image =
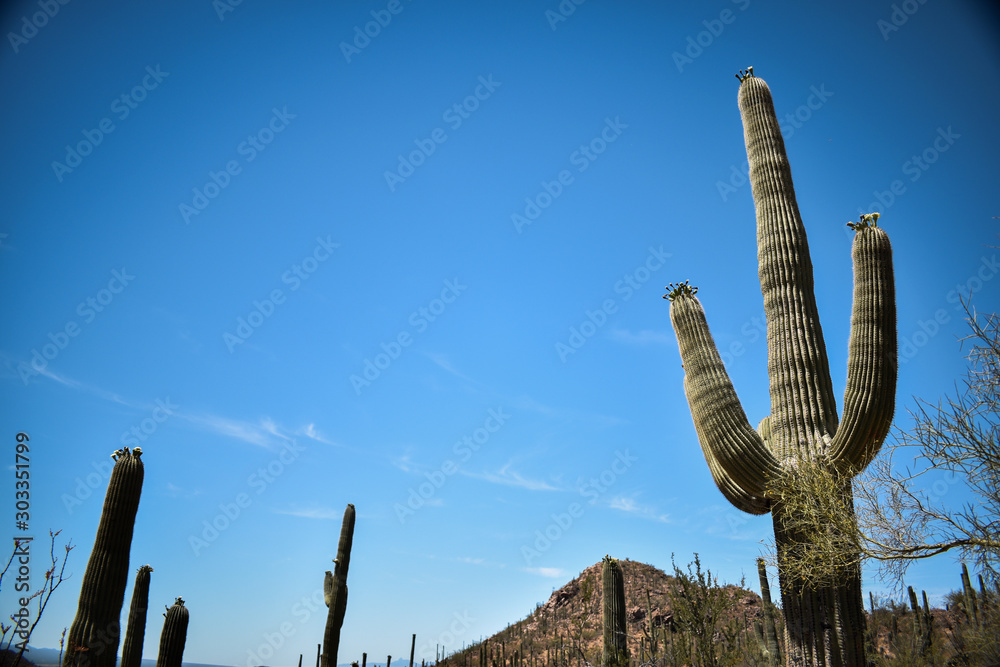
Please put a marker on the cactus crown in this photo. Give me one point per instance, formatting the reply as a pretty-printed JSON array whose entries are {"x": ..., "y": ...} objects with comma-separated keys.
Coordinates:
[
  {"x": 869, "y": 220},
  {"x": 676, "y": 290},
  {"x": 745, "y": 73}
]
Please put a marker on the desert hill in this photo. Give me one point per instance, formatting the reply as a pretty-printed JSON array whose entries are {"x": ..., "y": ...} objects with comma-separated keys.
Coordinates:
[{"x": 567, "y": 629}]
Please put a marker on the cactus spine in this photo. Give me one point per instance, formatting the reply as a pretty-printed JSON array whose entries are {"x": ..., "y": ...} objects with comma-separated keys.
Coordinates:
[
  {"x": 338, "y": 591},
  {"x": 824, "y": 624},
  {"x": 174, "y": 636},
  {"x": 95, "y": 633},
  {"x": 136, "y": 630},
  {"x": 615, "y": 630}
]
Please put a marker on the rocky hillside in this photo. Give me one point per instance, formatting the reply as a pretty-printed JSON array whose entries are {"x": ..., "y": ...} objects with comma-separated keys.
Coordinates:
[{"x": 566, "y": 630}]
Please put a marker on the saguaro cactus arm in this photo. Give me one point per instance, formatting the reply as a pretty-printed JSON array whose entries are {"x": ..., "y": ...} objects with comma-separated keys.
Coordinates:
[
  {"x": 740, "y": 462},
  {"x": 870, "y": 394},
  {"x": 803, "y": 407}
]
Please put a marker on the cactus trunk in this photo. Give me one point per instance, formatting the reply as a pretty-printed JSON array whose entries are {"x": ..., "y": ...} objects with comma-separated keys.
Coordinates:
[
  {"x": 174, "y": 636},
  {"x": 95, "y": 633},
  {"x": 136, "y": 630},
  {"x": 824, "y": 622},
  {"x": 338, "y": 591},
  {"x": 615, "y": 629}
]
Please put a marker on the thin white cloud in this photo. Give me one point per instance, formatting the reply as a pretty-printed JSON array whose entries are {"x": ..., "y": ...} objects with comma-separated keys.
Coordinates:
[
  {"x": 629, "y": 505},
  {"x": 643, "y": 337},
  {"x": 258, "y": 434},
  {"x": 442, "y": 361},
  {"x": 309, "y": 431},
  {"x": 181, "y": 492},
  {"x": 268, "y": 425},
  {"x": 92, "y": 390},
  {"x": 262, "y": 433},
  {"x": 549, "y": 572},
  {"x": 313, "y": 513},
  {"x": 510, "y": 477},
  {"x": 405, "y": 463}
]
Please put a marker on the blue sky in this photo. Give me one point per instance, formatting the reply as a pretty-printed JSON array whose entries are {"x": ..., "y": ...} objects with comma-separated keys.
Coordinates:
[{"x": 420, "y": 271}]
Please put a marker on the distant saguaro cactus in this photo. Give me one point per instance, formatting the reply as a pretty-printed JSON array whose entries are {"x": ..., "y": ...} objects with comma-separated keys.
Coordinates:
[
  {"x": 767, "y": 636},
  {"x": 615, "y": 628},
  {"x": 824, "y": 623},
  {"x": 136, "y": 629},
  {"x": 338, "y": 591},
  {"x": 174, "y": 636},
  {"x": 94, "y": 636}
]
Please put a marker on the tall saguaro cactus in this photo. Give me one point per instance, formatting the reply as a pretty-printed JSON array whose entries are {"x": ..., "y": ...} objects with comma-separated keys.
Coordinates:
[
  {"x": 338, "y": 591},
  {"x": 95, "y": 633},
  {"x": 136, "y": 629},
  {"x": 174, "y": 636},
  {"x": 613, "y": 604},
  {"x": 824, "y": 623}
]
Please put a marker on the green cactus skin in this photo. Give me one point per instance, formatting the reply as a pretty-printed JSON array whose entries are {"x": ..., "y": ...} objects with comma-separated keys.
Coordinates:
[
  {"x": 613, "y": 604},
  {"x": 95, "y": 633},
  {"x": 174, "y": 636},
  {"x": 136, "y": 629},
  {"x": 823, "y": 626},
  {"x": 338, "y": 592}
]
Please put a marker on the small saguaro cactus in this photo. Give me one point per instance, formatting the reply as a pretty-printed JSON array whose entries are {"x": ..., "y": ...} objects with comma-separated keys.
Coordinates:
[
  {"x": 615, "y": 629},
  {"x": 337, "y": 598},
  {"x": 767, "y": 636},
  {"x": 95, "y": 633},
  {"x": 174, "y": 636},
  {"x": 824, "y": 623},
  {"x": 136, "y": 629}
]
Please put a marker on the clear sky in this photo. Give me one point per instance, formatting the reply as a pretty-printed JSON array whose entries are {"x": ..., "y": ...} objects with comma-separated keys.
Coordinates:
[{"x": 410, "y": 255}]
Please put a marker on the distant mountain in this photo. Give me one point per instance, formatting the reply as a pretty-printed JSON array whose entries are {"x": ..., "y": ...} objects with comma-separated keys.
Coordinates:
[{"x": 49, "y": 657}]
